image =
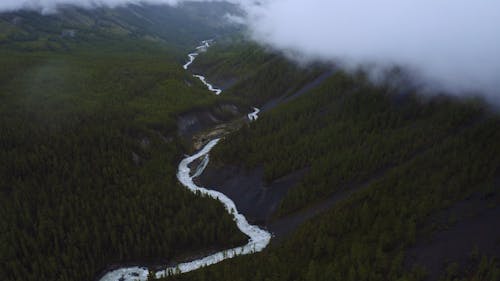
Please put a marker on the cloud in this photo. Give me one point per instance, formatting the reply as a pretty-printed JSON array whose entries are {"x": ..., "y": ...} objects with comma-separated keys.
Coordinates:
[
  {"x": 452, "y": 44},
  {"x": 50, "y": 6},
  {"x": 235, "y": 19}
]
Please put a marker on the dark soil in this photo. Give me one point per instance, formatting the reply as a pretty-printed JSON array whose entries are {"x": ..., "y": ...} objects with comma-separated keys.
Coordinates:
[
  {"x": 255, "y": 199},
  {"x": 258, "y": 201},
  {"x": 467, "y": 226}
]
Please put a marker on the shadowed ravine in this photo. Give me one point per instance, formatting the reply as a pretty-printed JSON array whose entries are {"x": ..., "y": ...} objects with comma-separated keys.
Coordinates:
[{"x": 258, "y": 238}]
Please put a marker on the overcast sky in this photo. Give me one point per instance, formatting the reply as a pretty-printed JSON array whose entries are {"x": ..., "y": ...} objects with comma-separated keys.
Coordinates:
[{"x": 452, "y": 43}]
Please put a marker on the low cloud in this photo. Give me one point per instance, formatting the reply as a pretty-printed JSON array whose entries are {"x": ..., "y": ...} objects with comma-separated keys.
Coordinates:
[
  {"x": 235, "y": 19},
  {"x": 453, "y": 45},
  {"x": 51, "y": 6}
]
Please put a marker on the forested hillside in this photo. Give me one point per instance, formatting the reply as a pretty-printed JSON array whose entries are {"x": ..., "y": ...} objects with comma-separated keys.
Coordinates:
[
  {"x": 89, "y": 154},
  {"x": 90, "y": 103},
  {"x": 403, "y": 160},
  {"x": 254, "y": 74},
  {"x": 346, "y": 132},
  {"x": 179, "y": 27}
]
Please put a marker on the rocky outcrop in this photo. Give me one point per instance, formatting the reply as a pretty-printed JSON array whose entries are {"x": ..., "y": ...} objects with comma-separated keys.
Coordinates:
[{"x": 195, "y": 121}]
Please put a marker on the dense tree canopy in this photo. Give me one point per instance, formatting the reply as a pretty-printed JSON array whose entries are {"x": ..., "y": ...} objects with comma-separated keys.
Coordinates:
[
  {"x": 89, "y": 156},
  {"x": 89, "y": 149},
  {"x": 411, "y": 157}
]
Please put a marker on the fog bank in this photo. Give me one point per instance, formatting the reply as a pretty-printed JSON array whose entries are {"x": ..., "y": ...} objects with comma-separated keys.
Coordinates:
[{"x": 452, "y": 44}]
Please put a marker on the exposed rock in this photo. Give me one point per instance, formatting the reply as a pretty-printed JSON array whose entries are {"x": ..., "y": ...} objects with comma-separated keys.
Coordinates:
[
  {"x": 193, "y": 122},
  {"x": 219, "y": 131}
]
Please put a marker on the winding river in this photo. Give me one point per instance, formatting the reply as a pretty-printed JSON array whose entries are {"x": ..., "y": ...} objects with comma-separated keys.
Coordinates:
[
  {"x": 192, "y": 56},
  {"x": 258, "y": 238}
]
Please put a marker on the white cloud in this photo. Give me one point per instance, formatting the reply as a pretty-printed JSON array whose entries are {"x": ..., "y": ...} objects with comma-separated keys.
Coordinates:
[
  {"x": 48, "y": 6},
  {"x": 235, "y": 19},
  {"x": 455, "y": 43}
]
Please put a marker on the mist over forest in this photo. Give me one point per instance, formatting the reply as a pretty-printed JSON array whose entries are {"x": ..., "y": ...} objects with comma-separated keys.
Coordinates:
[
  {"x": 249, "y": 140},
  {"x": 451, "y": 46}
]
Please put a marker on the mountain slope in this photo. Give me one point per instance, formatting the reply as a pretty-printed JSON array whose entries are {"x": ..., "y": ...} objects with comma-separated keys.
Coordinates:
[
  {"x": 402, "y": 165},
  {"x": 178, "y": 27},
  {"x": 89, "y": 144}
]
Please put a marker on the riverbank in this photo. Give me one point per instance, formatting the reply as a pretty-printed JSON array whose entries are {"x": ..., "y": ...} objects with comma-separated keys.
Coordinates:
[
  {"x": 255, "y": 198},
  {"x": 258, "y": 238}
]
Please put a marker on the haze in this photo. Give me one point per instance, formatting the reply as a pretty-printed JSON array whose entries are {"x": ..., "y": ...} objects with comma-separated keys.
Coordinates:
[{"x": 453, "y": 45}]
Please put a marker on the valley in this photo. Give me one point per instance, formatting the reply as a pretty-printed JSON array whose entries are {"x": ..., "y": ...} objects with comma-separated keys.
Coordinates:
[
  {"x": 258, "y": 238},
  {"x": 134, "y": 148}
]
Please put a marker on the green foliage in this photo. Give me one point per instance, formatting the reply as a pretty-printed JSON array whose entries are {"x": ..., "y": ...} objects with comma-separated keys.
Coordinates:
[
  {"x": 486, "y": 269},
  {"x": 232, "y": 58},
  {"x": 347, "y": 132},
  {"x": 89, "y": 150},
  {"x": 254, "y": 74},
  {"x": 89, "y": 155},
  {"x": 179, "y": 27},
  {"x": 365, "y": 236},
  {"x": 408, "y": 157}
]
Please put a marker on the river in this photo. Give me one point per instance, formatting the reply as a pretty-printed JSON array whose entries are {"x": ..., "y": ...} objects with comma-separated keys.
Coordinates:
[{"x": 258, "y": 238}]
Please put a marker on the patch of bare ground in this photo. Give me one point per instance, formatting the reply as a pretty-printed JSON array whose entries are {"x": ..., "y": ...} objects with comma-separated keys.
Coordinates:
[{"x": 452, "y": 235}]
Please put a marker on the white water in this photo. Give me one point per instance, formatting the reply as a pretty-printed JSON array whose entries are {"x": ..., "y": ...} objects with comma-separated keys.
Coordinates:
[
  {"x": 258, "y": 238},
  {"x": 209, "y": 86},
  {"x": 202, "y": 48},
  {"x": 254, "y": 115},
  {"x": 192, "y": 56}
]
